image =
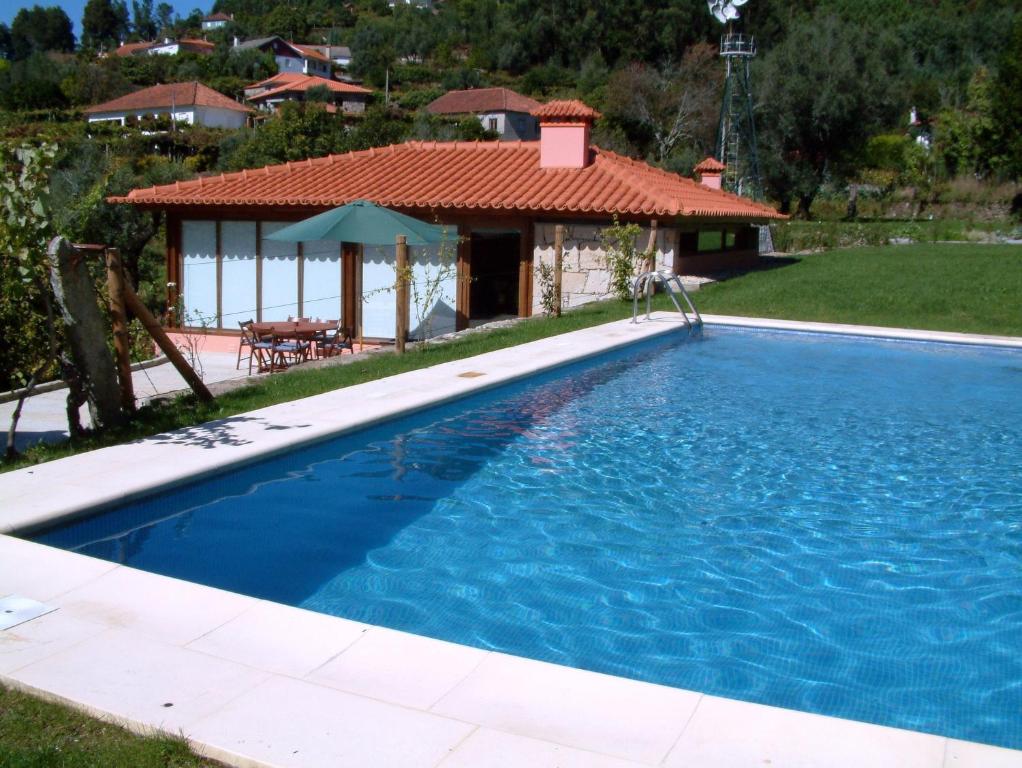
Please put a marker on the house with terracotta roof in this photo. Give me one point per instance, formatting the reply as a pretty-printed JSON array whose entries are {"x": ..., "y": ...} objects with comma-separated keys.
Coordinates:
[
  {"x": 169, "y": 47},
  {"x": 217, "y": 20},
  {"x": 501, "y": 202},
  {"x": 192, "y": 103},
  {"x": 501, "y": 110},
  {"x": 268, "y": 94},
  {"x": 290, "y": 57}
]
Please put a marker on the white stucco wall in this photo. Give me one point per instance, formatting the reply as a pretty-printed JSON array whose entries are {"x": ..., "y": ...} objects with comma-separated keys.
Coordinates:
[
  {"x": 212, "y": 117},
  {"x": 215, "y": 117},
  {"x": 585, "y": 275}
]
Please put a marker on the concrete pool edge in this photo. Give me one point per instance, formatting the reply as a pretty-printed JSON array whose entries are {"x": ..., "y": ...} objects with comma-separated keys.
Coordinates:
[{"x": 230, "y": 664}]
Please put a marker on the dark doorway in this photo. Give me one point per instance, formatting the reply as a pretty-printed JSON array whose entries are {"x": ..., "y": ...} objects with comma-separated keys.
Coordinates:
[{"x": 494, "y": 288}]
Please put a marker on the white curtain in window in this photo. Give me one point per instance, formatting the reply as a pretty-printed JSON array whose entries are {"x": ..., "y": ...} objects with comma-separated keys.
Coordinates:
[
  {"x": 280, "y": 275},
  {"x": 321, "y": 289},
  {"x": 198, "y": 247},
  {"x": 238, "y": 246},
  {"x": 433, "y": 295}
]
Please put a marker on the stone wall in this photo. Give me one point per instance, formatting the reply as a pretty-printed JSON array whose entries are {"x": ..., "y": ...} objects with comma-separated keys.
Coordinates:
[{"x": 585, "y": 277}]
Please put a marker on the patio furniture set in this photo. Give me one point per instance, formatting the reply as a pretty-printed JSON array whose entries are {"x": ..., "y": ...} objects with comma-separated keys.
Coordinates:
[{"x": 279, "y": 345}]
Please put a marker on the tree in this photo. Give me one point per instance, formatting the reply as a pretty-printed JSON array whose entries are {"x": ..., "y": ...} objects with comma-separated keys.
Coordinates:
[
  {"x": 37, "y": 30},
  {"x": 31, "y": 345},
  {"x": 143, "y": 20},
  {"x": 164, "y": 18},
  {"x": 823, "y": 92},
  {"x": 104, "y": 23},
  {"x": 6, "y": 49},
  {"x": 672, "y": 105},
  {"x": 372, "y": 51},
  {"x": 1008, "y": 106}
]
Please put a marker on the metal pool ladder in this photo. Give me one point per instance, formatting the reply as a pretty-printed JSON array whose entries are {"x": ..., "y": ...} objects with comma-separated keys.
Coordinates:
[{"x": 673, "y": 285}]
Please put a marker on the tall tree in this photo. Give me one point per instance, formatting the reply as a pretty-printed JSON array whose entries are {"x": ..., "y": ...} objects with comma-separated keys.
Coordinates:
[
  {"x": 104, "y": 23},
  {"x": 143, "y": 20},
  {"x": 823, "y": 92},
  {"x": 164, "y": 17},
  {"x": 38, "y": 29}
]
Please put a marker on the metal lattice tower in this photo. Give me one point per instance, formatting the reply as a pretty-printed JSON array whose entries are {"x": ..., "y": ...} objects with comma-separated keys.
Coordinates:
[{"x": 736, "y": 132}]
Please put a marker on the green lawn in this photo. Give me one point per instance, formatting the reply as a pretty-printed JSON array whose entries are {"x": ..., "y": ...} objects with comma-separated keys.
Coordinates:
[
  {"x": 38, "y": 734},
  {"x": 968, "y": 288},
  {"x": 973, "y": 288}
]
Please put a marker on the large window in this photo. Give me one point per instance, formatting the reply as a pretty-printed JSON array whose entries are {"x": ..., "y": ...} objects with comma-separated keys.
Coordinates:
[
  {"x": 238, "y": 285},
  {"x": 280, "y": 276},
  {"x": 198, "y": 248}
]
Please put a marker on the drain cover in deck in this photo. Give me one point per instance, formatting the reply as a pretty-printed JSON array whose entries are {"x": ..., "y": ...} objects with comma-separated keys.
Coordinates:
[
  {"x": 470, "y": 375},
  {"x": 15, "y": 610}
]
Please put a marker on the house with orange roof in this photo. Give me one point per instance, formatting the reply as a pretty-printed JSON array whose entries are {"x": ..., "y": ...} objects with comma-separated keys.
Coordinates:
[
  {"x": 501, "y": 202},
  {"x": 500, "y": 110},
  {"x": 268, "y": 94},
  {"x": 191, "y": 103},
  {"x": 171, "y": 47},
  {"x": 291, "y": 57},
  {"x": 217, "y": 20}
]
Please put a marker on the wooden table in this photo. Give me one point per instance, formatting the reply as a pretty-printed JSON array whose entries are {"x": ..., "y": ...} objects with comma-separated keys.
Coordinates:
[
  {"x": 303, "y": 330},
  {"x": 299, "y": 330}
]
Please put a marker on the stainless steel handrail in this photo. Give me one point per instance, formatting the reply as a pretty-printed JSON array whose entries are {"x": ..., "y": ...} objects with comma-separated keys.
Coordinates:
[{"x": 646, "y": 282}]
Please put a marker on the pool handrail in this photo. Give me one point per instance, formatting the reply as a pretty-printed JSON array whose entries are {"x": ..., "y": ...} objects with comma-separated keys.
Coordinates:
[{"x": 646, "y": 283}]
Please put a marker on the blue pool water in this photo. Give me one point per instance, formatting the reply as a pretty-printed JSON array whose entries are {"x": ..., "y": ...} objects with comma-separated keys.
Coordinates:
[{"x": 826, "y": 524}]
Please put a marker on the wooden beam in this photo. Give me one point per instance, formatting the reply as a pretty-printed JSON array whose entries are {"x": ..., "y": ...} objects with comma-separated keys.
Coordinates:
[
  {"x": 558, "y": 266},
  {"x": 463, "y": 300},
  {"x": 119, "y": 323},
  {"x": 175, "y": 267},
  {"x": 219, "y": 278},
  {"x": 139, "y": 310},
  {"x": 401, "y": 320},
  {"x": 651, "y": 247}
]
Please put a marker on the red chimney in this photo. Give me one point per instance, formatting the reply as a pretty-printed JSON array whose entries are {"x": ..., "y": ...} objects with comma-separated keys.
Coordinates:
[
  {"x": 709, "y": 172},
  {"x": 564, "y": 128}
]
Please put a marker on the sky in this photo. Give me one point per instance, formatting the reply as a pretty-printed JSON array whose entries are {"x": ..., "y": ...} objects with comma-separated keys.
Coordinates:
[{"x": 74, "y": 8}]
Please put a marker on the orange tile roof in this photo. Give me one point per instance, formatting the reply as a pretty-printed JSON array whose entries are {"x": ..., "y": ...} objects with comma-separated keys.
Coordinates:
[
  {"x": 710, "y": 165},
  {"x": 476, "y": 100},
  {"x": 167, "y": 95},
  {"x": 218, "y": 16},
  {"x": 279, "y": 78},
  {"x": 480, "y": 176},
  {"x": 307, "y": 82},
  {"x": 310, "y": 52},
  {"x": 566, "y": 109},
  {"x": 130, "y": 49},
  {"x": 192, "y": 42}
]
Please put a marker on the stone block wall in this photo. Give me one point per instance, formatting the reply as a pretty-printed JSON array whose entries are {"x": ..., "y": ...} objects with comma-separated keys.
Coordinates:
[{"x": 585, "y": 274}]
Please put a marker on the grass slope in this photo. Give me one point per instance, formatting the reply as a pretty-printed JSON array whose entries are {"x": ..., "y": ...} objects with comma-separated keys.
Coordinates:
[
  {"x": 947, "y": 287},
  {"x": 39, "y": 734}
]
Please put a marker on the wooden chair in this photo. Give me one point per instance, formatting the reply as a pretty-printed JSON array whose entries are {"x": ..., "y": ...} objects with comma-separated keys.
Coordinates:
[
  {"x": 334, "y": 342},
  {"x": 247, "y": 341},
  {"x": 285, "y": 352}
]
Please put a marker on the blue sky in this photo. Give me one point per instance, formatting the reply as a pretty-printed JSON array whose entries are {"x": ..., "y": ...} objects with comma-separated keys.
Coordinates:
[{"x": 74, "y": 8}]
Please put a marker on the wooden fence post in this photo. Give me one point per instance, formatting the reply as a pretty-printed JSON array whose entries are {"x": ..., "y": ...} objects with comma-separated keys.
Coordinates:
[
  {"x": 139, "y": 310},
  {"x": 119, "y": 322},
  {"x": 558, "y": 266},
  {"x": 401, "y": 321},
  {"x": 86, "y": 329},
  {"x": 651, "y": 247}
]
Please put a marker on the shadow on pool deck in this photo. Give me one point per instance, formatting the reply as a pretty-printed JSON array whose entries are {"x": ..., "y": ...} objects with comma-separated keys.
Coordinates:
[{"x": 220, "y": 433}]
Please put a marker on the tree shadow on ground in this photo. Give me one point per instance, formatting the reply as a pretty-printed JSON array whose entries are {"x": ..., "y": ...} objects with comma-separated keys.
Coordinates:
[{"x": 222, "y": 432}]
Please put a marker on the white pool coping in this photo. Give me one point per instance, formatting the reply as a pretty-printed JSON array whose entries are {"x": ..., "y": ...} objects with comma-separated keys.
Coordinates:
[{"x": 253, "y": 682}]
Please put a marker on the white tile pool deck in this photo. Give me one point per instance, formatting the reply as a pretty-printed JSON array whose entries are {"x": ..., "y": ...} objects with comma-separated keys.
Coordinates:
[{"x": 256, "y": 683}]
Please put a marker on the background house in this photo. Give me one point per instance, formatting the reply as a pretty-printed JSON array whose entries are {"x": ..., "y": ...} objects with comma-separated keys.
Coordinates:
[
  {"x": 217, "y": 20},
  {"x": 501, "y": 110},
  {"x": 291, "y": 57},
  {"x": 289, "y": 86},
  {"x": 192, "y": 103},
  {"x": 500, "y": 200},
  {"x": 184, "y": 45}
]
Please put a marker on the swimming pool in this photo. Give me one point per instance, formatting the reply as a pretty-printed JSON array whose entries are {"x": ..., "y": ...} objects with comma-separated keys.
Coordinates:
[{"x": 826, "y": 524}]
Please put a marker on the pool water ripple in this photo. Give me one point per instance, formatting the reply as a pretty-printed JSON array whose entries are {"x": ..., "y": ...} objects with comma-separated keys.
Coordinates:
[{"x": 826, "y": 524}]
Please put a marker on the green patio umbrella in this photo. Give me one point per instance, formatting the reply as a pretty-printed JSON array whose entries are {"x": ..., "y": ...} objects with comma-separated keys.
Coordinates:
[
  {"x": 361, "y": 222},
  {"x": 369, "y": 224}
]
